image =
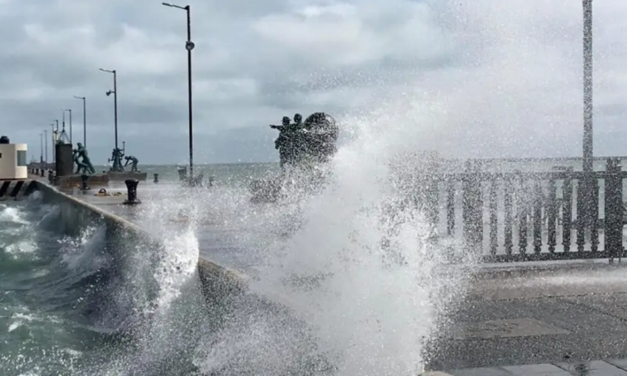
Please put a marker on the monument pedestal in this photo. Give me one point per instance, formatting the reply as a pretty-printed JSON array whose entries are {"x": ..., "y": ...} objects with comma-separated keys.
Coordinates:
[
  {"x": 74, "y": 181},
  {"x": 123, "y": 175}
]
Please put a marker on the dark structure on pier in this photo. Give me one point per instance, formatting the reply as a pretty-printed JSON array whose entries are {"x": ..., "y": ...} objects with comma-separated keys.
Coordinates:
[{"x": 301, "y": 146}]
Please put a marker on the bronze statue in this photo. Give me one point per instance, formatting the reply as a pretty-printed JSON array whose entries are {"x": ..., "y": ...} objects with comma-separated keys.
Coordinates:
[
  {"x": 133, "y": 162},
  {"x": 282, "y": 143},
  {"x": 301, "y": 144},
  {"x": 84, "y": 165},
  {"x": 116, "y": 157},
  {"x": 312, "y": 140}
]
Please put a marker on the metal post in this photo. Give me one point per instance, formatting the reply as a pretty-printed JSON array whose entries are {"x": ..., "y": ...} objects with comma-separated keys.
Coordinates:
[
  {"x": 84, "y": 121},
  {"x": 115, "y": 106},
  {"x": 41, "y": 144},
  {"x": 587, "y": 86},
  {"x": 53, "y": 143},
  {"x": 189, "y": 47},
  {"x": 115, "y": 101},
  {"x": 46, "y": 138},
  {"x": 587, "y": 184},
  {"x": 70, "y": 111}
]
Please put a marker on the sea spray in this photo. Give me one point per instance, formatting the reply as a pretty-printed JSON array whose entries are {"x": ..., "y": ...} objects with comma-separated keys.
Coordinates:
[{"x": 353, "y": 264}]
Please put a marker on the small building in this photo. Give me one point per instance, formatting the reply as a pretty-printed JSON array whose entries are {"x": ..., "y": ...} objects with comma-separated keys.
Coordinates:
[{"x": 13, "y": 160}]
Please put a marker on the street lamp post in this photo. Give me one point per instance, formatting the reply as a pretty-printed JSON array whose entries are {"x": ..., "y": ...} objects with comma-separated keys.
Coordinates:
[
  {"x": 115, "y": 101},
  {"x": 54, "y": 140},
  {"x": 587, "y": 87},
  {"x": 41, "y": 145},
  {"x": 69, "y": 110},
  {"x": 189, "y": 46},
  {"x": 46, "y": 138},
  {"x": 588, "y": 189},
  {"x": 84, "y": 119}
]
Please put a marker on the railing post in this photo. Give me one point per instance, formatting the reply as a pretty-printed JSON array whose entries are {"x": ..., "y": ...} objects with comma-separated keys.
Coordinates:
[
  {"x": 432, "y": 205},
  {"x": 472, "y": 207},
  {"x": 613, "y": 208},
  {"x": 450, "y": 207}
]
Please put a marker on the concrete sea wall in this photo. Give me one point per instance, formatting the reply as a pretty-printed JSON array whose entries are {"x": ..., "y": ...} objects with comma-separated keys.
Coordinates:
[{"x": 218, "y": 283}]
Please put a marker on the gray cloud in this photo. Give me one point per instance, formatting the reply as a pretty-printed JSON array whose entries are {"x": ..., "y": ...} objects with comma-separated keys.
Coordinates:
[{"x": 471, "y": 77}]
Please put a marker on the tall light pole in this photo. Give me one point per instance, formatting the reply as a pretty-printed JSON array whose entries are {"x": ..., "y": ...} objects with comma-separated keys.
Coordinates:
[
  {"x": 189, "y": 46},
  {"x": 587, "y": 86},
  {"x": 69, "y": 110},
  {"x": 54, "y": 139},
  {"x": 41, "y": 144},
  {"x": 84, "y": 119},
  {"x": 115, "y": 101},
  {"x": 46, "y": 138}
]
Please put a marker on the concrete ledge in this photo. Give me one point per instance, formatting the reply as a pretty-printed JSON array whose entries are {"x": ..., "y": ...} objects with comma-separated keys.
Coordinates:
[
  {"x": 16, "y": 188},
  {"x": 216, "y": 280},
  {"x": 435, "y": 373},
  {"x": 75, "y": 181}
]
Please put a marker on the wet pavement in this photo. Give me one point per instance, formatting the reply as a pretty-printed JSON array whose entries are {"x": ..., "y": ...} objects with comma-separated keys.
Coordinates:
[
  {"x": 565, "y": 316},
  {"x": 611, "y": 367}
]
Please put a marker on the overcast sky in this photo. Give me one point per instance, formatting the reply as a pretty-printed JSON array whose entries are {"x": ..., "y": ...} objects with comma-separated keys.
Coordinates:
[{"x": 475, "y": 77}]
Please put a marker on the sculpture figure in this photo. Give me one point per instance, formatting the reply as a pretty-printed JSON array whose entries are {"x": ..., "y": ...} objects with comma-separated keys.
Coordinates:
[
  {"x": 84, "y": 164},
  {"x": 320, "y": 136},
  {"x": 133, "y": 162},
  {"x": 116, "y": 157},
  {"x": 282, "y": 142}
]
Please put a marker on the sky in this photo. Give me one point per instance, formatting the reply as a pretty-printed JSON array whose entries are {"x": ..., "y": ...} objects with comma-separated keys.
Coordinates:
[{"x": 473, "y": 78}]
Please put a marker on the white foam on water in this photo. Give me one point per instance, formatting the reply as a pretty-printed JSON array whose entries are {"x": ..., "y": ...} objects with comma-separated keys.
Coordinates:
[
  {"x": 21, "y": 247},
  {"x": 12, "y": 214},
  {"x": 85, "y": 251},
  {"x": 20, "y": 319}
]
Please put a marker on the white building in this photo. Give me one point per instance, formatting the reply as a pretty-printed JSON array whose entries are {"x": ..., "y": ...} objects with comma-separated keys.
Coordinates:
[{"x": 13, "y": 162}]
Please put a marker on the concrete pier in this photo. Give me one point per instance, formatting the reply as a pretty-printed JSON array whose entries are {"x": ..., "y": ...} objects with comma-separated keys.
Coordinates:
[{"x": 528, "y": 317}]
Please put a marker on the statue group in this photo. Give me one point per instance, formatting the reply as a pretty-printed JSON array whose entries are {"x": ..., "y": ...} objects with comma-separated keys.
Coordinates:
[
  {"x": 117, "y": 156},
  {"x": 83, "y": 165},
  {"x": 312, "y": 140}
]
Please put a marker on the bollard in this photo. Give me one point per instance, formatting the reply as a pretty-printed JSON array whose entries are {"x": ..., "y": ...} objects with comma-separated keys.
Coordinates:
[
  {"x": 156, "y": 178},
  {"x": 50, "y": 176},
  {"x": 131, "y": 186},
  {"x": 42, "y": 172},
  {"x": 84, "y": 185}
]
